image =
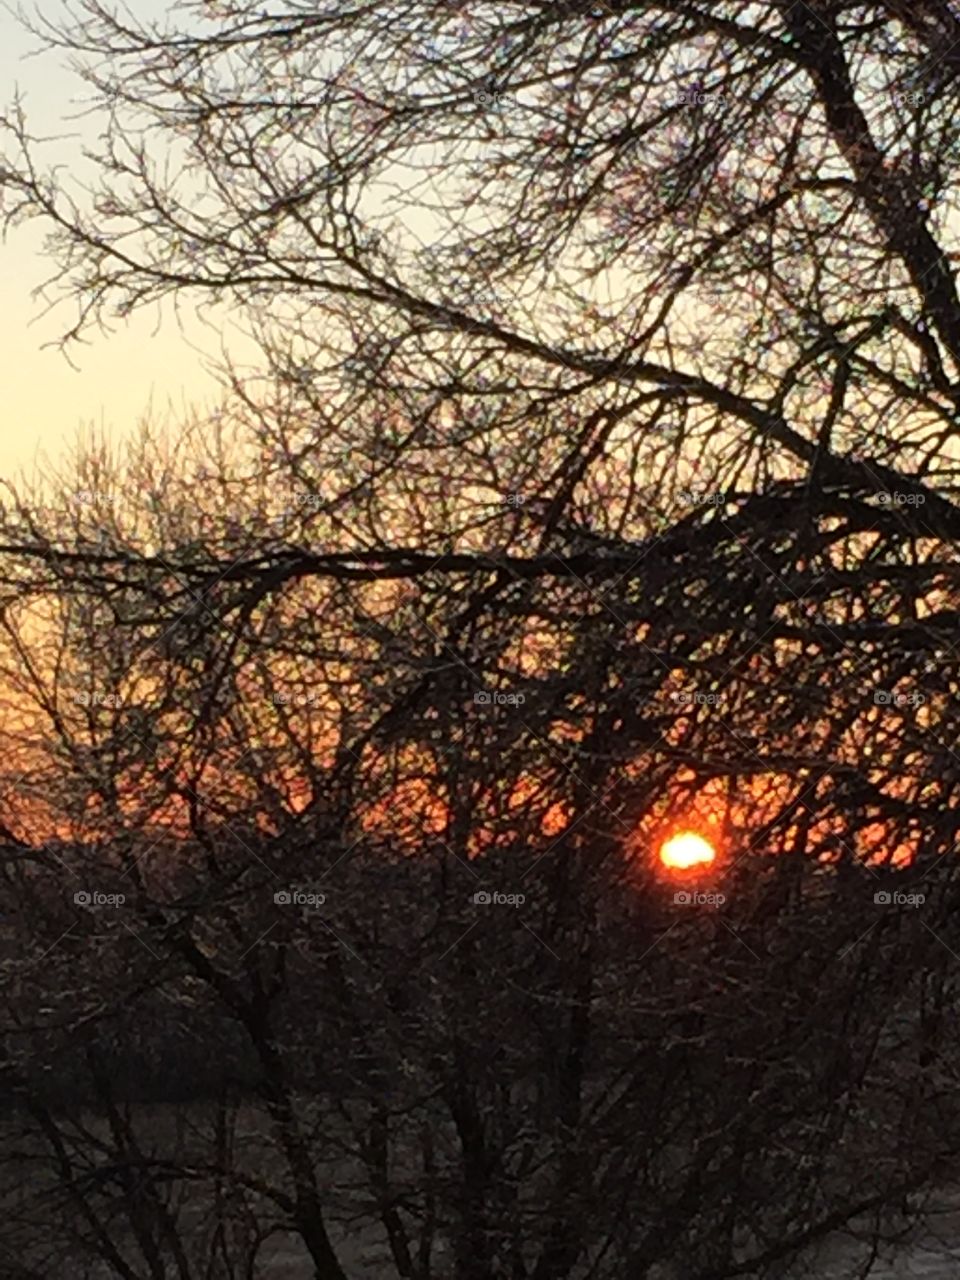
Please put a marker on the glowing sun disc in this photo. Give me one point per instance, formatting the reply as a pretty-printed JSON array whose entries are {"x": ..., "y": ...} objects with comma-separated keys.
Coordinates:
[{"x": 686, "y": 850}]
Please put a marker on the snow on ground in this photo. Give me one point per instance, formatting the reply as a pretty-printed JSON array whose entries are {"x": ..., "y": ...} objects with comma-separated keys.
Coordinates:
[
  {"x": 931, "y": 1252},
  {"x": 928, "y": 1253}
]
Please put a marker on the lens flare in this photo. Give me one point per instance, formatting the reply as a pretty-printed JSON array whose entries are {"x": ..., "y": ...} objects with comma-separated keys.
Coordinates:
[{"x": 686, "y": 850}]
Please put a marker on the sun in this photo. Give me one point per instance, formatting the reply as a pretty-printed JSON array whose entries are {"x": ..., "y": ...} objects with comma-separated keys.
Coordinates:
[{"x": 686, "y": 850}]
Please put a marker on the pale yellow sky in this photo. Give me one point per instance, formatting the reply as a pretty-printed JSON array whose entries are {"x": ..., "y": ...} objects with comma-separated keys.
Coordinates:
[{"x": 118, "y": 375}]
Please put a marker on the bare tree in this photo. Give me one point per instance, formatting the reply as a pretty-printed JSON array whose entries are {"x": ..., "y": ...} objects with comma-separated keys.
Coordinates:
[{"x": 598, "y": 477}]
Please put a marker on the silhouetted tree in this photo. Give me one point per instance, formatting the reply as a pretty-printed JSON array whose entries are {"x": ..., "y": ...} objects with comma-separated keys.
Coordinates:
[{"x": 597, "y": 478}]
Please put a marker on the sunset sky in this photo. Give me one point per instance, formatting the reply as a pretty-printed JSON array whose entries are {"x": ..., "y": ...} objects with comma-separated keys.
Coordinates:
[{"x": 117, "y": 376}]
